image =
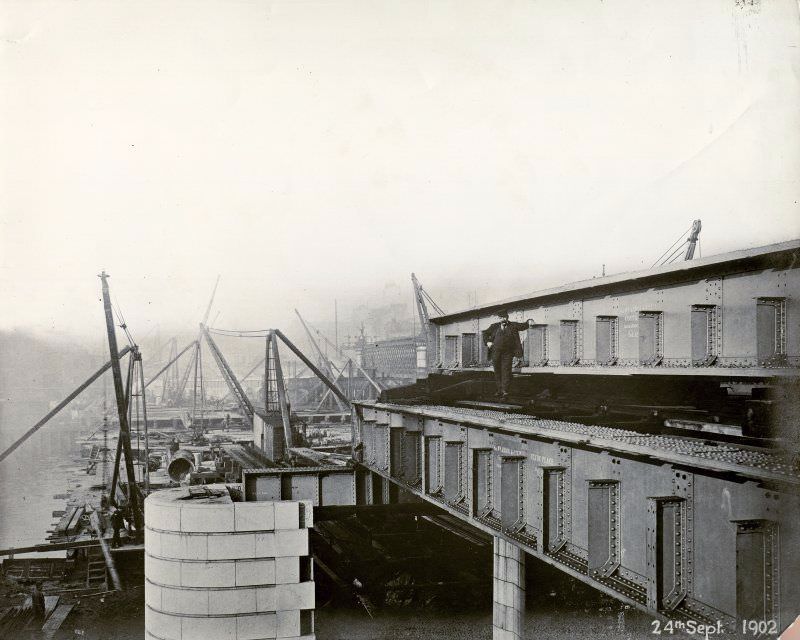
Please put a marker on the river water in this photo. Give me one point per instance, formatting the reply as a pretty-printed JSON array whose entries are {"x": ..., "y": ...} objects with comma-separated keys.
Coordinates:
[{"x": 38, "y": 470}]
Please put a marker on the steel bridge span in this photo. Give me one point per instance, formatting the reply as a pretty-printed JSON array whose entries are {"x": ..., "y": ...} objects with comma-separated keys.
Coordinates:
[
  {"x": 682, "y": 528},
  {"x": 651, "y": 449}
]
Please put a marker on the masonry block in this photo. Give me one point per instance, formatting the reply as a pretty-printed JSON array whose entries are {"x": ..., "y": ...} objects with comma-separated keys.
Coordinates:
[
  {"x": 288, "y": 624},
  {"x": 265, "y": 545},
  {"x": 162, "y": 571},
  {"x": 508, "y": 591},
  {"x": 287, "y": 515},
  {"x": 293, "y": 542},
  {"x": 232, "y": 547},
  {"x": 152, "y": 595},
  {"x": 194, "y": 547},
  {"x": 287, "y": 570},
  {"x": 162, "y": 625},
  {"x": 208, "y": 574},
  {"x": 266, "y": 599},
  {"x": 307, "y": 514},
  {"x": 159, "y": 516},
  {"x": 254, "y": 516},
  {"x": 152, "y": 542},
  {"x": 263, "y": 625},
  {"x": 222, "y": 570},
  {"x": 209, "y": 628},
  {"x": 229, "y": 601},
  {"x": 184, "y": 601},
  {"x": 295, "y": 596},
  {"x": 255, "y": 572},
  {"x": 184, "y": 546},
  {"x": 205, "y": 518}
]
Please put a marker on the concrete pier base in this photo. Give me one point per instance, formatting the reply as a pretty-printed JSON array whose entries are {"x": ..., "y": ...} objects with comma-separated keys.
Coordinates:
[{"x": 509, "y": 591}]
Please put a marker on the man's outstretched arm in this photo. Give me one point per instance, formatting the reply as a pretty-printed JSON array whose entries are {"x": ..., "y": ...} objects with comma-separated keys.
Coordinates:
[{"x": 521, "y": 326}]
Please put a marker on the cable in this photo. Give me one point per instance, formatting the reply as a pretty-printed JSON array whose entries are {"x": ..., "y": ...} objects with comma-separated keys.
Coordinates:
[
  {"x": 671, "y": 247},
  {"x": 239, "y": 334},
  {"x": 123, "y": 325},
  {"x": 675, "y": 254}
]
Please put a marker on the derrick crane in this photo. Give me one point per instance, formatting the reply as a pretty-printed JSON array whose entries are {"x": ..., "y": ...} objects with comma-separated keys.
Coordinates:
[
  {"x": 231, "y": 381},
  {"x": 422, "y": 299},
  {"x": 177, "y": 399},
  {"x": 122, "y": 406},
  {"x": 375, "y": 384},
  {"x": 246, "y": 376},
  {"x": 172, "y": 375},
  {"x": 692, "y": 241},
  {"x": 273, "y": 378},
  {"x": 324, "y": 362},
  {"x": 192, "y": 365},
  {"x": 172, "y": 362}
]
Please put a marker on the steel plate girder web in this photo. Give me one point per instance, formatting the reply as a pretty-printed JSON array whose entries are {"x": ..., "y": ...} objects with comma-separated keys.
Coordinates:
[{"x": 582, "y": 530}]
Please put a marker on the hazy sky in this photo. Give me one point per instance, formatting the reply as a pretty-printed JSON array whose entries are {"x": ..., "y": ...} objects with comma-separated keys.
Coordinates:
[{"x": 308, "y": 151}]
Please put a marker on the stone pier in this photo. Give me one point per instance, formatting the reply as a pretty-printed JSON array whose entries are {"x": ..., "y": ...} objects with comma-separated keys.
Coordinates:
[
  {"x": 216, "y": 569},
  {"x": 509, "y": 591}
]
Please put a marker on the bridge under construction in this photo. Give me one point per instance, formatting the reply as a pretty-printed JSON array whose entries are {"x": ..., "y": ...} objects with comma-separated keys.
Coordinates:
[{"x": 648, "y": 447}]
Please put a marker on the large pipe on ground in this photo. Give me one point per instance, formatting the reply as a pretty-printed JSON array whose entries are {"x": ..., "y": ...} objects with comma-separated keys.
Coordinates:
[{"x": 181, "y": 465}]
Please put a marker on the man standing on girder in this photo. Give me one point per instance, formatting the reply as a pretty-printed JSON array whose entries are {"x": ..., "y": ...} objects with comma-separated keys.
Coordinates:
[{"x": 504, "y": 344}]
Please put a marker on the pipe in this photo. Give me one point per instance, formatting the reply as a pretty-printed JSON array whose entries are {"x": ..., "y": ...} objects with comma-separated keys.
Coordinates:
[
  {"x": 112, "y": 570},
  {"x": 181, "y": 465}
]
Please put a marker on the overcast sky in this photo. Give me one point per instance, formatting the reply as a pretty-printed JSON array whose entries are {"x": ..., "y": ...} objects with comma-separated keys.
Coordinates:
[{"x": 308, "y": 151}]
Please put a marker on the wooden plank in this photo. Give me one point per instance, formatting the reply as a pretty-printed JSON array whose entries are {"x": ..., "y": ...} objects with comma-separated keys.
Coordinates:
[
  {"x": 58, "y": 617},
  {"x": 65, "y": 520},
  {"x": 50, "y": 604}
]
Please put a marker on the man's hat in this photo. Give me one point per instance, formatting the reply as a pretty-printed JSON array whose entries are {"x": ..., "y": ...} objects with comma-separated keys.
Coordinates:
[{"x": 503, "y": 313}]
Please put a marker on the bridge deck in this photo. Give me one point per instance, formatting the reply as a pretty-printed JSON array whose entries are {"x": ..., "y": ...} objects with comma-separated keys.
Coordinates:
[{"x": 749, "y": 461}]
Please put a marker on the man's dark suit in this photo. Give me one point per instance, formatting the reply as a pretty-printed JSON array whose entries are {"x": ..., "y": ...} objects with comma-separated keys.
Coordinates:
[{"x": 506, "y": 345}]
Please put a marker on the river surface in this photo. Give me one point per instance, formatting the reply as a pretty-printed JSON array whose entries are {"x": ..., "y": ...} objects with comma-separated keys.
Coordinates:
[{"x": 41, "y": 468}]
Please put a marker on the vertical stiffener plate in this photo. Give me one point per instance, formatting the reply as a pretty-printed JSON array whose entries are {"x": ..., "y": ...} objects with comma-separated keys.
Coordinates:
[{"x": 604, "y": 527}]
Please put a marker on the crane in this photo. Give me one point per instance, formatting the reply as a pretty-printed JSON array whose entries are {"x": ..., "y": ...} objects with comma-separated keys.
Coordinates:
[
  {"x": 691, "y": 241},
  {"x": 122, "y": 407},
  {"x": 422, "y": 297},
  {"x": 235, "y": 388}
]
